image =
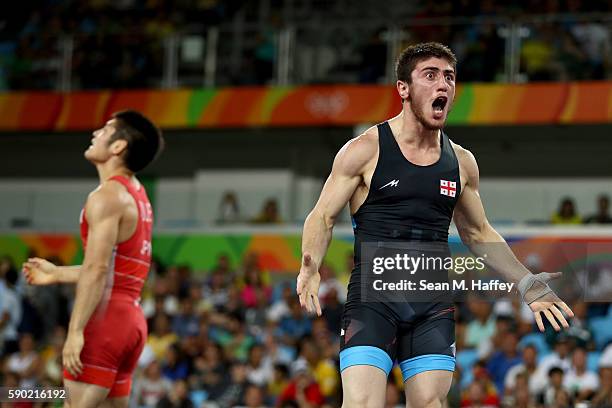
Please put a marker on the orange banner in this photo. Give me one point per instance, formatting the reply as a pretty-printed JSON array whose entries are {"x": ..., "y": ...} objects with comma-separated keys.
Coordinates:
[{"x": 334, "y": 105}]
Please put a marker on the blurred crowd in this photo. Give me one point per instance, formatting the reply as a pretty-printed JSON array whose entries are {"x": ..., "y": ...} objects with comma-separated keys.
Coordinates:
[
  {"x": 229, "y": 212},
  {"x": 124, "y": 44},
  {"x": 567, "y": 213},
  {"x": 236, "y": 336}
]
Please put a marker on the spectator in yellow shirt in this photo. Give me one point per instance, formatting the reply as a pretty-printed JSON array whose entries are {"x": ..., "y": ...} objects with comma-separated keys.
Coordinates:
[{"x": 567, "y": 213}]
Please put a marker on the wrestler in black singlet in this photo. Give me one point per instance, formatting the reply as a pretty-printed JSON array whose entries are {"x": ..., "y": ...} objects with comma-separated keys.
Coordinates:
[{"x": 406, "y": 203}]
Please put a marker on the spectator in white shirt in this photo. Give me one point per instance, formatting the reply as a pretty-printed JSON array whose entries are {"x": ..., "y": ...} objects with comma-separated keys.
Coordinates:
[
  {"x": 259, "y": 366},
  {"x": 578, "y": 381},
  {"x": 152, "y": 387},
  {"x": 528, "y": 367},
  {"x": 25, "y": 362},
  {"x": 554, "y": 386},
  {"x": 559, "y": 358},
  {"x": 10, "y": 311}
]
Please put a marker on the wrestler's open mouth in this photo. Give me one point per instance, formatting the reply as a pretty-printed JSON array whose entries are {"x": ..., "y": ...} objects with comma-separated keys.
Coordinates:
[{"x": 439, "y": 103}]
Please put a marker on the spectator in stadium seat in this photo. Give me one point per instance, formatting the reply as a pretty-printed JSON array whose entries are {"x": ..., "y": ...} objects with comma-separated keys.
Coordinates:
[
  {"x": 255, "y": 317},
  {"x": 502, "y": 361},
  {"x": 603, "y": 397},
  {"x": 253, "y": 287},
  {"x": 537, "y": 55},
  {"x": 573, "y": 59},
  {"x": 234, "y": 393},
  {"x": 580, "y": 331},
  {"x": 10, "y": 308},
  {"x": 151, "y": 387},
  {"x": 177, "y": 398},
  {"x": 323, "y": 370},
  {"x": 303, "y": 390},
  {"x": 25, "y": 362},
  {"x": 477, "y": 396},
  {"x": 51, "y": 357},
  {"x": 559, "y": 358},
  {"x": 224, "y": 266},
  {"x": 526, "y": 368},
  {"x": 562, "y": 399},
  {"x": 296, "y": 325},
  {"x": 554, "y": 386},
  {"x": 259, "y": 366},
  {"x": 215, "y": 291},
  {"x": 332, "y": 311},
  {"x": 522, "y": 397},
  {"x": 280, "y": 308},
  {"x": 605, "y": 360},
  {"x": 503, "y": 325},
  {"x": 280, "y": 379},
  {"x": 235, "y": 338},
  {"x": 253, "y": 397},
  {"x": 186, "y": 322},
  {"x": 174, "y": 366},
  {"x": 566, "y": 213},
  {"x": 482, "y": 327},
  {"x": 211, "y": 371},
  {"x": 594, "y": 38},
  {"x": 269, "y": 213},
  {"x": 229, "y": 209},
  {"x": 161, "y": 338},
  {"x": 323, "y": 338},
  {"x": 328, "y": 282},
  {"x": 580, "y": 382},
  {"x": 603, "y": 212}
]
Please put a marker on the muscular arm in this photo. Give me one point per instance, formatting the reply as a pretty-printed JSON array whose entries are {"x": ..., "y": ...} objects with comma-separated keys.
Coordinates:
[
  {"x": 344, "y": 179},
  {"x": 475, "y": 230},
  {"x": 480, "y": 237},
  {"x": 104, "y": 211},
  {"x": 337, "y": 191}
]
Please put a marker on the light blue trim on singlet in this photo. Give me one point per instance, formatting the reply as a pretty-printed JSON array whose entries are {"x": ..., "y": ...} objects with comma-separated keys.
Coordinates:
[
  {"x": 427, "y": 362},
  {"x": 365, "y": 355}
]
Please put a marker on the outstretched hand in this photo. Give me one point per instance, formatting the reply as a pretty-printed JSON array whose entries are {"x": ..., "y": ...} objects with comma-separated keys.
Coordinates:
[
  {"x": 551, "y": 306},
  {"x": 307, "y": 288}
]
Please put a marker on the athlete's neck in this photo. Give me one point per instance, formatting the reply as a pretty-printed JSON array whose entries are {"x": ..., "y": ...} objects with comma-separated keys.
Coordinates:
[
  {"x": 409, "y": 130},
  {"x": 109, "y": 169}
]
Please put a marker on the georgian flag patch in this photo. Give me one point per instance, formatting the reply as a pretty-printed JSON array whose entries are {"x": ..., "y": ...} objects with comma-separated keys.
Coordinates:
[{"x": 448, "y": 188}]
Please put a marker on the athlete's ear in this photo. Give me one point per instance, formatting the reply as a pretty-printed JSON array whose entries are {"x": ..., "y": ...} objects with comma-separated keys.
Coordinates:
[
  {"x": 118, "y": 146},
  {"x": 403, "y": 90}
]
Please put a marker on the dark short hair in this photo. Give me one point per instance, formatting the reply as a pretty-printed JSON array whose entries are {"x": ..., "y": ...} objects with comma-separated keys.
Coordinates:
[
  {"x": 145, "y": 140},
  {"x": 555, "y": 370},
  {"x": 414, "y": 54}
]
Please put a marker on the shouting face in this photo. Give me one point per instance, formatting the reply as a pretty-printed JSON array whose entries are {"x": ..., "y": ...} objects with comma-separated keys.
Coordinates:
[{"x": 430, "y": 92}]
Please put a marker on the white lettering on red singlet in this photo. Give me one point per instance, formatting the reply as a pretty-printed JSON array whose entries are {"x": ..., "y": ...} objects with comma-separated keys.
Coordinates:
[{"x": 146, "y": 212}]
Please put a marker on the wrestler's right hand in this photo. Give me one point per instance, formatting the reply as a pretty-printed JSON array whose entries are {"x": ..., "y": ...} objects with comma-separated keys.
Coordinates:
[
  {"x": 308, "y": 285},
  {"x": 38, "y": 271}
]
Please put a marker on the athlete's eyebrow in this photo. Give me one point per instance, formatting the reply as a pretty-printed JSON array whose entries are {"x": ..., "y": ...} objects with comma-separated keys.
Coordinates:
[
  {"x": 430, "y": 69},
  {"x": 436, "y": 69}
]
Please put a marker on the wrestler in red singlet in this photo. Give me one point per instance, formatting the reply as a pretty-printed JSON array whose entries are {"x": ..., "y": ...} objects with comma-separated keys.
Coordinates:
[
  {"x": 116, "y": 333},
  {"x": 107, "y": 329}
]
